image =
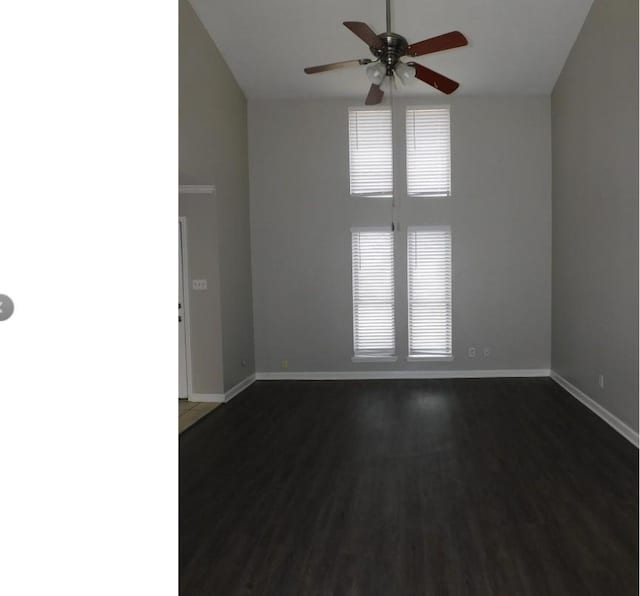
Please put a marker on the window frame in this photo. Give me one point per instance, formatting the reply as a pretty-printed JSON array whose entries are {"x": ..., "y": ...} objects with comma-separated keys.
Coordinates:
[
  {"x": 429, "y": 357},
  {"x": 374, "y": 356},
  {"x": 426, "y": 195},
  {"x": 369, "y": 195}
]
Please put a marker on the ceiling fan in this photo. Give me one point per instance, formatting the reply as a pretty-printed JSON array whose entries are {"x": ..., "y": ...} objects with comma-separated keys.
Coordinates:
[{"x": 388, "y": 48}]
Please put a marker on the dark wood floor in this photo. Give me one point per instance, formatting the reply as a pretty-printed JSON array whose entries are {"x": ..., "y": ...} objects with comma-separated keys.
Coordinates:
[{"x": 487, "y": 486}]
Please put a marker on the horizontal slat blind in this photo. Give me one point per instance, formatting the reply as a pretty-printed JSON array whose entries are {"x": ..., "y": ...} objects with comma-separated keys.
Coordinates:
[
  {"x": 370, "y": 153},
  {"x": 373, "y": 293},
  {"x": 428, "y": 152},
  {"x": 429, "y": 270}
]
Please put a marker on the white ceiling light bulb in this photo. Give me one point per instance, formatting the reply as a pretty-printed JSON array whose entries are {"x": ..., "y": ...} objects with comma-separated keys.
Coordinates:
[
  {"x": 405, "y": 72},
  {"x": 376, "y": 72}
]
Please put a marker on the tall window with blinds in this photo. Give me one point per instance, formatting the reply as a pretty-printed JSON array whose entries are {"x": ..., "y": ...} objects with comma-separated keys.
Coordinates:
[
  {"x": 373, "y": 292},
  {"x": 429, "y": 273},
  {"x": 370, "y": 152},
  {"x": 428, "y": 152}
]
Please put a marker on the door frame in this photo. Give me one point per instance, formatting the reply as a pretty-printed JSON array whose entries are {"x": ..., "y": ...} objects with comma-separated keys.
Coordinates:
[{"x": 186, "y": 297}]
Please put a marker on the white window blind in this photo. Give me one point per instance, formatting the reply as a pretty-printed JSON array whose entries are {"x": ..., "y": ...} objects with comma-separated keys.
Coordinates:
[
  {"x": 429, "y": 270},
  {"x": 428, "y": 152},
  {"x": 370, "y": 152},
  {"x": 373, "y": 292}
]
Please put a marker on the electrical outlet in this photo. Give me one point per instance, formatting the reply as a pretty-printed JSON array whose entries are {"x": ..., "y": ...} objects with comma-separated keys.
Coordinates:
[
  {"x": 601, "y": 381},
  {"x": 199, "y": 284},
  {"x": 284, "y": 364},
  {"x": 472, "y": 352},
  {"x": 486, "y": 352}
]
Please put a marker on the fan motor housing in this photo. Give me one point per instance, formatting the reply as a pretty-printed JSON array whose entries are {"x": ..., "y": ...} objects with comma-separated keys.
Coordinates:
[{"x": 395, "y": 47}]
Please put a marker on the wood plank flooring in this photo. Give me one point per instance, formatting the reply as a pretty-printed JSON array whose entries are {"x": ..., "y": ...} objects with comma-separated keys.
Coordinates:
[
  {"x": 501, "y": 487},
  {"x": 190, "y": 412}
]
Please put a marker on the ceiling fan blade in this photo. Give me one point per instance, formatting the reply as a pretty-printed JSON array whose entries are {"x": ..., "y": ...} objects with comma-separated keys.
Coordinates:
[
  {"x": 435, "y": 79},
  {"x": 334, "y": 65},
  {"x": 446, "y": 41},
  {"x": 374, "y": 96},
  {"x": 365, "y": 33}
]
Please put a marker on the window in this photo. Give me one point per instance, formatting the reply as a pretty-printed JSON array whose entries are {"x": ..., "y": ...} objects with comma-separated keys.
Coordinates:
[
  {"x": 370, "y": 154},
  {"x": 428, "y": 152},
  {"x": 373, "y": 292},
  {"x": 429, "y": 271}
]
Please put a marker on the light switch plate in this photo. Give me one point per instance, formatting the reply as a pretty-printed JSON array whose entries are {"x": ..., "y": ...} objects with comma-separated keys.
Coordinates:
[{"x": 199, "y": 284}]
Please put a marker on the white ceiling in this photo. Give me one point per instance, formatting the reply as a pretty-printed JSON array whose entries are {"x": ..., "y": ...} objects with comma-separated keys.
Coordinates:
[{"x": 515, "y": 46}]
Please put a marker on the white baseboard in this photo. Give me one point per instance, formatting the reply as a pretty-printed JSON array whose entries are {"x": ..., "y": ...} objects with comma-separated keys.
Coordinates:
[
  {"x": 400, "y": 374},
  {"x": 239, "y": 387},
  {"x": 207, "y": 397},
  {"x": 227, "y": 395},
  {"x": 613, "y": 421}
]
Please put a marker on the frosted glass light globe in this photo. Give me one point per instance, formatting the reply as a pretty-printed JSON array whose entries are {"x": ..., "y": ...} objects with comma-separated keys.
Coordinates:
[
  {"x": 405, "y": 72},
  {"x": 376, "y": 72}
]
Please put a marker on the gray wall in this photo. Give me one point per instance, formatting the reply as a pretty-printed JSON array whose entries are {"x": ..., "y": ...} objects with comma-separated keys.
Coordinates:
[
  {"x": 205, "y": 307},
  {"x": 500, "y": 213},
  {"x": 214, "y": 150},
  {"x": 594, "y": 109}
]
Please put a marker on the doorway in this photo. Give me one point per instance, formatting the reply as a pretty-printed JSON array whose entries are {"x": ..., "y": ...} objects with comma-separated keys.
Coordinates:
[{"x": 183, "y": 327}]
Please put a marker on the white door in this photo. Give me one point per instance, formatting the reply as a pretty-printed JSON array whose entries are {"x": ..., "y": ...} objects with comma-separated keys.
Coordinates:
[{"x": 182, "y": 335}]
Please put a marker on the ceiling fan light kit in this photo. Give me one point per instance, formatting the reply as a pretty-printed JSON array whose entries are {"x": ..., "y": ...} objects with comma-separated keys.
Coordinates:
[{"x": 388, "y": 48}]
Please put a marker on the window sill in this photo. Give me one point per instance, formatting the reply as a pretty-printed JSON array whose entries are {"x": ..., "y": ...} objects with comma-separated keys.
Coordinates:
[
  {"x": 374, "y": 359},
  {"x": 429, "y": 358},
  {"x": 429, "y": 196}
]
